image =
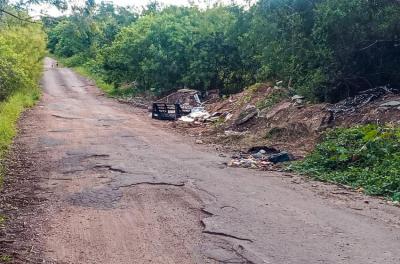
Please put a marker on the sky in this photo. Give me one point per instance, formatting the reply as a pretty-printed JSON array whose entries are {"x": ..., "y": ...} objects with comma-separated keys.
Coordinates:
[{"x": 37, "y": 10}]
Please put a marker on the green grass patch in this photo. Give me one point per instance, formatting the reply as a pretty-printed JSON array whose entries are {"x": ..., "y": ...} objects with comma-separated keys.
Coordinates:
[
  {"x": 10, "y": 110},
  {"x": 2, "y": 220},
  {"x": 366, "y": 157},
  {"x": 5, "y": 258}
]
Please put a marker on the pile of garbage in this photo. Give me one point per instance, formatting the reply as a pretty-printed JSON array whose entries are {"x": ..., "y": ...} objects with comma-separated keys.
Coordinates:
[
  {"x": 196, "y": 114},
  {"x": 200, "y": 114},
  {"x": 260, "y": 158},
  {"x": 352, "y": 104}
]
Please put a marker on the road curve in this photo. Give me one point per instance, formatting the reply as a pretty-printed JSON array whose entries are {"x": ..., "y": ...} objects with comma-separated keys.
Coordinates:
[{"x": 121, "y": 189}]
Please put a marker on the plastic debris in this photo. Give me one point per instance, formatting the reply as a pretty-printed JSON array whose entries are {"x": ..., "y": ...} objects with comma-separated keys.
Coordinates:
[
  {"x": 259, "y": 158},
  {"x": 352, "y": 104}
]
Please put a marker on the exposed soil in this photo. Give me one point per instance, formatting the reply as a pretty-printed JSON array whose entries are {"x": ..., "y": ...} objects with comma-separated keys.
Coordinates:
[
  {"x": 91, "y": 180},
  {"x": 285, "y": 125}
]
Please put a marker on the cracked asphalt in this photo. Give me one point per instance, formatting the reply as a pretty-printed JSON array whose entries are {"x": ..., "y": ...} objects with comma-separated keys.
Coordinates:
[{"x": 120, "y": 188}]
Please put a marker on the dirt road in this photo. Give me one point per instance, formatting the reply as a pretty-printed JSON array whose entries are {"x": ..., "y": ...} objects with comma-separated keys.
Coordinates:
[{"x": 112, "y": 186}]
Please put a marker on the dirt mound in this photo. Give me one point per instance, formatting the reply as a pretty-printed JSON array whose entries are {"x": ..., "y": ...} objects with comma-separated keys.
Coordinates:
[
  {"x": 377, "y": 112},
  {"x": 268, "y": 116}
]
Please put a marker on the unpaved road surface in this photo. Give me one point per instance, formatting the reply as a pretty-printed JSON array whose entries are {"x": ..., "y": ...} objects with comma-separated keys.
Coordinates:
[{"x": 112, "y": 186}]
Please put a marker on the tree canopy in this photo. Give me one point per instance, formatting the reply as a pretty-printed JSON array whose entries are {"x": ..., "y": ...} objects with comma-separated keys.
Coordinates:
[{"x": 322, "y": 49}]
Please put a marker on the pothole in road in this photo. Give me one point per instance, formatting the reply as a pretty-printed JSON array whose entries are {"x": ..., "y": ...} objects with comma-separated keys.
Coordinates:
[
  {"x": 149, "y": 222},
  {"x": 102, "y": 198},
  {"x": 143, "y": 224}
]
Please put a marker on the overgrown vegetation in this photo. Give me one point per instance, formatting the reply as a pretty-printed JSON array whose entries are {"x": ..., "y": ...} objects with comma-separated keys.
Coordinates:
[
  {"x": 322, "y": 49},
  {"x": 366, "y": 157},
  {"x": 22, "y": 47}
]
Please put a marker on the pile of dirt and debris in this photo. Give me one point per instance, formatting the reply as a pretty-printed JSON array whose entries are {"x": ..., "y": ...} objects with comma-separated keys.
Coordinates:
[
  {"x": 379, "y": 106},
  {"x": 186, "y": 98},
  {"x": 266, "y": 114},
  {"x": 352, "y": 104}
]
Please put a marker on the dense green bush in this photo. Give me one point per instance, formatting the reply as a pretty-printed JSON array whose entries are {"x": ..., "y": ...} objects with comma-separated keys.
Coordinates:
[
  {"x": 21, "y": 52},
  {"x": 22, "y": 48},
  {"x": 365, "y": 156},
  {"x": 323, "y": 49}
]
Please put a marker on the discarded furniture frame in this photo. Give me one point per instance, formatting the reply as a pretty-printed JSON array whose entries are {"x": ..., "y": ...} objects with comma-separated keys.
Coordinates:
[{"x": 165, "y": 111}]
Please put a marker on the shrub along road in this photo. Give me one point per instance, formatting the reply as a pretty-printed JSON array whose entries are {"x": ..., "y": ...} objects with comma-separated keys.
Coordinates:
[{"x": 115, "y": 187}]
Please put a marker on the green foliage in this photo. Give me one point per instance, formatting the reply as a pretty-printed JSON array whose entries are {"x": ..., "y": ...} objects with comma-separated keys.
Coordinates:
[
  {"x": 2, "y": 220},
  {"x": 22, "y": 48},
  {"x": 21, "y": 51},
  {"x": 5, "y": 258},
  {"x": 151, "y": 52},
  {"x": 107, "y": 88},
  {"x": 363, "y": 156},
  {"x": 86, "y": 31},
  {"x": 323, "y": 49},
  {"x": 10, "y": 111}
]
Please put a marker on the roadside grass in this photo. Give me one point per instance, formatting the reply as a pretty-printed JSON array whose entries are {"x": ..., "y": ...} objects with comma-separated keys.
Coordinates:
[
  {"x": 108, "y": 88},
  {"x": 5, "y": 259},
  {"x": 364, "y": 157},
  {"x": 2, "y": 220},
  {"x": 10, "y": 111},
  {"x": 105, "y": 87}
]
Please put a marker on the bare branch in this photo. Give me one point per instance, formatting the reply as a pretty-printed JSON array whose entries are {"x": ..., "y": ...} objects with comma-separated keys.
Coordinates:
[{"x": 27, "y": 19}]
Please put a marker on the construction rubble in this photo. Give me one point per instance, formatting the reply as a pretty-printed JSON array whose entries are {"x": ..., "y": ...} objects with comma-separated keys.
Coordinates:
[
  {"x": 267, "y": 115},
  {"x": 352, "y": 104}
]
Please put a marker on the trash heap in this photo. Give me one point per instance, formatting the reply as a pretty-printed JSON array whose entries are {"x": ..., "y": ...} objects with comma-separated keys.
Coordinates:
[
  {"x": 352, "y": 104},
  {"x": 196, "y": 114},
  {"x": 200, "y": 114},
  {"x": 264, "y": 158}
]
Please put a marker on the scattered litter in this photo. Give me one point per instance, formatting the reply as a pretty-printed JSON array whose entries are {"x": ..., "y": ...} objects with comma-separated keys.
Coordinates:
[
  {"x": 259, "y": 158},
  {"x": 199, "y": 141},
  {"x": 298, "y": 99},
  {"x": 390, "y": 104},
  {"x": 199, "y": 113},
  {"x": 264, "y": 149},
  {"x": 196, "y": 114},
  {"x": 217, "y": 114},
  {"x": 228, "y": 117},
  {"x": 280, "y": 157},
  {"x": 186, "y": 119},
  {"x": 352, "y": 104}
]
